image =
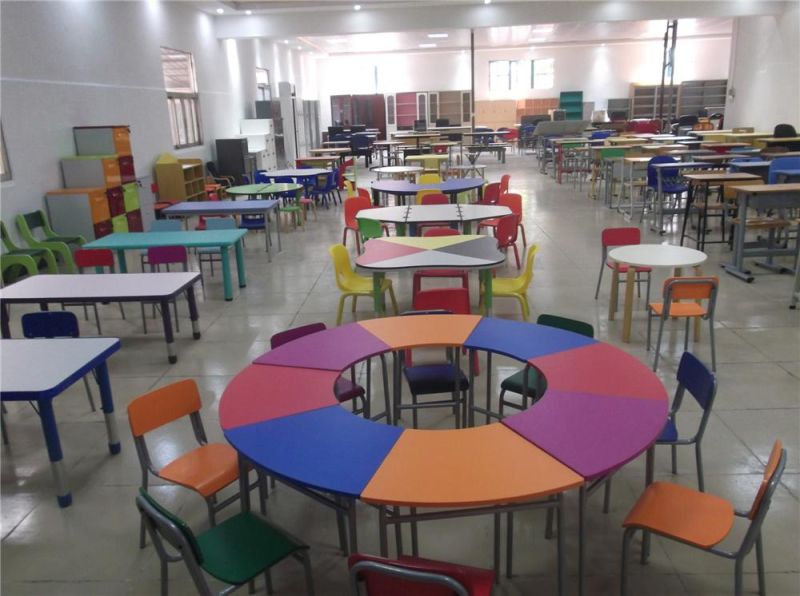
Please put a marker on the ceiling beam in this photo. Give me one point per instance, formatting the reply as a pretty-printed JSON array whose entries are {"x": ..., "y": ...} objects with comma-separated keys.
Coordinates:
[{"x": 379, "y": 19}]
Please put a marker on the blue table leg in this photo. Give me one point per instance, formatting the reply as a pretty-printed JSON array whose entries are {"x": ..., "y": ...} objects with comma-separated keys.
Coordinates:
[
  {"x": 123, "y": 266},
  {"x": 50, "y": 430},
  {"x": 240, "y": 265},
  {"x": 226, "y": 273},
  {"x": 108, "y": 408}
]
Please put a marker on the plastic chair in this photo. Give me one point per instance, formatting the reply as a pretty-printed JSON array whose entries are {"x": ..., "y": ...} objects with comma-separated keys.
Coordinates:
[
  {"x": 27, "y": 223},
  {"x": 324, "y": 187},
  {"x": 514, "y": 202},
  {"x": 206, "y": 469},
  {"x": 516, "y": 287},
  {"x": 352, "y": 284},
  {"x": 361, "y": 145},
  {"x": 370, "y": 228},
  {"x": 781, "y": 163},
  {"x": 612, "y": 237},
  {"x": 413, "y": 575},
  {"x": 352, "y": 205},
  {"x": 504, "y": 181},
  {"x": 536, "y": 384},
  {"x": 291, "y": 200},
  {"x": 211, "y": 254},
  {"x": 340, "y": 172},
  {"x": 167, "y": 255},
  {"x": 234, "y": 552},
  {"x": 29, "y": 260},
  {"x": 429, "y": 179},
  {"x": 671, "y": 182},
  {"x": 491, "y": 193},
  {"x": 445, "y": 377},
  {"x": 421, "y": 194},
  {"x": 784, "y": 130},
  {"x": 434, "y": 198},
  {"x": 159, "y": 225},
  {"x": 421, "y": 274},
  {"x": 101, "y": 259},
  {"x": 703, "y": 521},
  {"x": 51, "y": 324},
  {"x": 506, "y": 234},
  {"x": 680, "y": 294}
]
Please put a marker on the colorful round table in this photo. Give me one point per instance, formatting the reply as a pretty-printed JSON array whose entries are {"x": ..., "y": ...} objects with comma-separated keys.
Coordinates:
[{"x": 602, "y": 408}]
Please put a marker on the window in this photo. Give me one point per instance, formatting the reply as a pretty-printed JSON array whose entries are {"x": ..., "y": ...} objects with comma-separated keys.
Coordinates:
[
  {"x": 5, "y": 170},
  {"x": 262, "y": 83},
  {"x": 542, "y": 73},
  {"x": 502, "y": 75},
  {"x": 182, "y": 98}
]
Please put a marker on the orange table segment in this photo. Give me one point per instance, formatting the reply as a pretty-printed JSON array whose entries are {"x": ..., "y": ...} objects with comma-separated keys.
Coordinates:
[
  {"x": 487, "y": 465},
  {"x": 604, "y": 370},
  {"x": 422, "y": 330},
  {"x": 259, "y": 393}
]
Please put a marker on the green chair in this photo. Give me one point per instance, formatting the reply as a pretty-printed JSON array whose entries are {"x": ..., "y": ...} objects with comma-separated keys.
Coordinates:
[
  {"x": 27, "y": 223},
  {"x": 536, "y": 384},
  {"x": 16, "y": 262},
  {"x": 234, "y": 551},
  {"x": 369, "y": 229}
]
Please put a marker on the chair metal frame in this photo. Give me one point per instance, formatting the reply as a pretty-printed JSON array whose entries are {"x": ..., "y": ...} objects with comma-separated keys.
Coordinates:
[
  {"x": 422, "y": 577},
  {"x": 604, "y": 260}
]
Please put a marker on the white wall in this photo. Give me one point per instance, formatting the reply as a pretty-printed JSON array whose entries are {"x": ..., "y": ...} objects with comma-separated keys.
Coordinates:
[
  {"x": 601, "y": 72},
  {"x": 765, "y": 71},
  {"x": 80, "y": 63}
]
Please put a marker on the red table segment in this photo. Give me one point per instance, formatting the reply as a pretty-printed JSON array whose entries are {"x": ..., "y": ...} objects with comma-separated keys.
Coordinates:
[
  {"x": 466, "y": 467},
  {"x": 334, "y": 349},
  {"x": 263, "y": 392},
  {"x": 592, "y": 434},
  {"x": 600, "y": 369}
]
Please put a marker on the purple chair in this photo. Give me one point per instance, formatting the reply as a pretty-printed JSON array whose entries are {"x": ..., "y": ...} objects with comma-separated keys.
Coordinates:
[{"x": 167, "y": 255}]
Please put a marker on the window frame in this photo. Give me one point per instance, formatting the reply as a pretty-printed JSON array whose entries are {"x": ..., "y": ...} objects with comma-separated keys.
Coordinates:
[
  {"x": 264, "y": 90},
  {"x": 5, "y": 173},
  {"x": 552, "y": 73},
  {"x": 511, "y": 76},
  {"x": 183, "y": 107}
]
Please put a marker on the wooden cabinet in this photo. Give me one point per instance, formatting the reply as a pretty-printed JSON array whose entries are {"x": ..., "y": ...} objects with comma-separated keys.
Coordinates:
[{"x": 179, "y": 179}]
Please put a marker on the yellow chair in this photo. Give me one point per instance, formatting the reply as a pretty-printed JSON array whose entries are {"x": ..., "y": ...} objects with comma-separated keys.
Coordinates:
[
  {"x": 422, "y": 193},
  {"x": 352, "y": 284},
  {"x": 429, "y": 179},
  {"x": 515, "y": 287}
]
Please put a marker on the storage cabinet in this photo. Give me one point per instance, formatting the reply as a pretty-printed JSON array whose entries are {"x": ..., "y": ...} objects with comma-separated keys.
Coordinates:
[
  {"x": 179, "y": 179},
  {"x": 234, "y": 159},
  {"x": 91, "y": 171},
  {"x": 572, "y": 104},
  {"x": 89, "y": 212},
  {"x": 102, "y": 140},
  {"x": 646, "y": 99},
  {"x": 702, "y": 95}
]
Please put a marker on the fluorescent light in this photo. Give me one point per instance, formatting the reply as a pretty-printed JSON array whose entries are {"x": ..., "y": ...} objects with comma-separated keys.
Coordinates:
[
  {"x": 487, "y": 1},
  {"x": 357, "y": 7},
  {"x": 220, "y": 11},
  {"x": 437, "y": 35},
  {"x": 427, "y": 45},
  {"x": 248, "y": 12}
]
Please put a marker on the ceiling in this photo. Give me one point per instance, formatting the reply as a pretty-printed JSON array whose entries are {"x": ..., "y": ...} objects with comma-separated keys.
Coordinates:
[
  {"x": 284, "y": 6},
  {"x": 515, "y": 36}
]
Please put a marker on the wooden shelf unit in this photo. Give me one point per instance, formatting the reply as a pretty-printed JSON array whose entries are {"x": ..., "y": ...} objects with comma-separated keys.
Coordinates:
[{"x": 179, "y": 179}]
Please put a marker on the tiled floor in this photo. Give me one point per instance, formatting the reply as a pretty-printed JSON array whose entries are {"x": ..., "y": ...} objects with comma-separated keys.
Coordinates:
[{"x": 91, "y": 548}]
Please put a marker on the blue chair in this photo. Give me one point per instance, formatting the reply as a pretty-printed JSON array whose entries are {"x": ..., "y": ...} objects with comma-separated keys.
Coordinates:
[
  {"x": 732, "y": 163},
  {"x": 250, "y": 222},
  {"x": 601, "y": 134},
  {"x": 52, "y": 324},
  {"x": 159, "y": 225},
  {"x": 323, "y": 188},
  {"x": 361, "y": 145},
  {"x": 211, "y": 254},
  {"x": 781, "y": 163},
  {"x": 672, "y": 185},
  {"x": 701, "y": 383}
]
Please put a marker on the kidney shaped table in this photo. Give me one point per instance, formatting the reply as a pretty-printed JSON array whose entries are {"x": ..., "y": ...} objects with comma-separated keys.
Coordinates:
[
  {"x": 403, "y": 188},
  {"x": 602, "y": 408}
]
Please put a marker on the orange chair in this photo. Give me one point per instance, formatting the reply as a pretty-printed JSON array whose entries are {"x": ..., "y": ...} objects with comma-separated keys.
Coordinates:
[
  {"x": 352, "y": 205},
  {"x": 207, "y": 469},
  {"x": 690, "y": 290},
  {"x": 514, "y": 202},
  {"x": 703, "y": 521},
  {"x": 421, "y": 274},
  {"x": 506, "y": 234}
]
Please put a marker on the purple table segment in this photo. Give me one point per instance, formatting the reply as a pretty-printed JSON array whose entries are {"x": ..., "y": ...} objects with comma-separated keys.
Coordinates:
[
  {"x": 522, "y": 342},
  {"x": 592, "y": 434},
  {"x": 403, "y": 188},
  {"x": 327, "y": 449},
  {"x": 336, "y": 349}
]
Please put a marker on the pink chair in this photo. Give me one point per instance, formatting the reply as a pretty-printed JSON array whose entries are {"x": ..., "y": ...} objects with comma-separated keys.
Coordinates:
[
  {"x": 421, "y": 274},
  {"x": 506, "y": 234}
]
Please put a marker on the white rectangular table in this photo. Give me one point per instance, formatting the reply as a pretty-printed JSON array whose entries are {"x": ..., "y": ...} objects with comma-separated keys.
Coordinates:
[
  {"x": 109, "y": 287},
  {"x": 40, "y": 369}
]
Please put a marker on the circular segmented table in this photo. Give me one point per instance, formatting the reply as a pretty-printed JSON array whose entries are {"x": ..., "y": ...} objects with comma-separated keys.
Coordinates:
[{"x": 602, "y": 408}]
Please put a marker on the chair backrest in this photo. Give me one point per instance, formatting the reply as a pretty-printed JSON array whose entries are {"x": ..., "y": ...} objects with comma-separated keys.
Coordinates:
[
  {"x": 652, "y": 176},
  {"x": 505, "y": 179},
  {"x": 698, "y": 379},
  {"x": 421, "y": 577},
  {"x": 530, "y": 258},
  {"x": 283, "y": 180},
  {"x": 506, "y": 230},
  {"x": 435, "y": 198},
  {"x": 784, "y": 130},
  {"x": 49, "y": 324},
  {"x": 455, "y": 300},
  {"x": 352, "y": 205},
  {"x": 220, "y": 223},
  {"x": 611, "y": 237},
  {"x": 165, "y": 255},
  {"x": 169, "y": 527},
  {"x": 262, "y": 177},
  {"x": 430, "y": 178},
  {"x": 691, "y": 288},
  {"x": 32, "y": 220},
  {"x": 736, "y": 160},
  {"x": 772, "y": 476},
  {"x": 423, "y": 193},
  {"x": 360, "y": 141},
  {"x": 513, "y": 201},
  {"x": 342, "y": 269},
  {"x": 441, "y": 231},
  {"x": 364, "y": 192},
  {"x": 491, "y": 192},
  {"x": 284, "y": 337},
  {"x": 369, "y": 229},
  {"x": 162, "y": 406},
  {"x": 94, "y": 257},
  {"x": 601, "y": 134},
  {"x": 165, "y": 225},
  {"x": 566, "y": 324},
  {"x": 7, "y": 242},
  {"x": 781, "y": 163}
]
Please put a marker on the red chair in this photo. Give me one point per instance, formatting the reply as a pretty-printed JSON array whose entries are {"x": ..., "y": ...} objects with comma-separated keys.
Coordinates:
[
  {"x": 514, "y": 202},
  {"x": 352, "y": 205},
  {"x": 611, "y": 237},
  {"x": 421, "y": 577},
  {"x": 341, "y": 170},
  {"x": 504, "y": 180},
  {"x": 201, "y": 220},
  {"x": 432, "y": 199},
  {"x": 506, "y": 234},
  {"x": 491, "y": 192},
  {"x": 100, "y": 259},
  {"x": 421, "y": 274}
]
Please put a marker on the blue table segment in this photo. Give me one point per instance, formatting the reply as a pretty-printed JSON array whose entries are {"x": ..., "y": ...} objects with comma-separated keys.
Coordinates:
[
  {"x": 523, "y": 341},
  {"x": 327, "y": 449}
]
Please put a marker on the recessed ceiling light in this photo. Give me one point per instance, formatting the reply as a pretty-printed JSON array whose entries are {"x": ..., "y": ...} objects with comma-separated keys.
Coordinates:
[
  {"x": 357, "y": 7},
  {"x": 427, "y": 45},
  {"x": 248, "y": 12},
  {"x": 285, "y": 41},
  {"x": 437, "y": 35},
  {"x": 487, "y": 1},
  {"x": 220, "y": 11},
  {"x": 299, "y": 47}
]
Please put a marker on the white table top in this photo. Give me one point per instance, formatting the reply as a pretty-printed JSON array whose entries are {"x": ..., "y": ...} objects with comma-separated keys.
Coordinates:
[
  {"x": 434, "y": 213},
  {"x": 296, "y": 172},
  {"x": 107, "y": 286},
  {"x": 657, "y": 255},
  {"x": 399, "y": 169},
  {"x": 38, "y": 366}
]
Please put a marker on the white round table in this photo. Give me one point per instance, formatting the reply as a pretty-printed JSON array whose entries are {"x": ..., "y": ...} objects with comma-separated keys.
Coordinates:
[
  {"x": 646, "y": 255},
  {"x": 399, "y": 171}
]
